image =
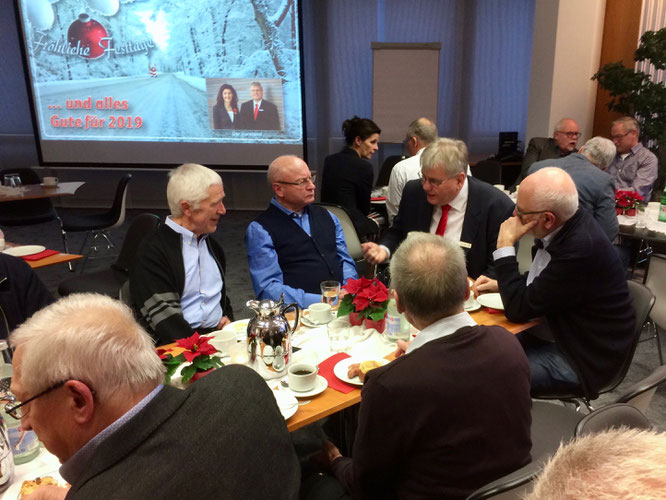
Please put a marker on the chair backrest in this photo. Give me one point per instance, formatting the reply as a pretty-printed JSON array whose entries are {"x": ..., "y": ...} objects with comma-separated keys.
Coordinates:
[
  {"x": 612, "y": 417},
  {"x": 26, "y": 211},
  {"x": 119, "y": 201},
  {"x": 489, "y": 171},
  {"x": 640, "y": 394},
  {"x": 513, "y": 486},
  {"x": 124, "y": 294},
  {"x": 655, "y": 280},
  {"x": 140, "y": 227},
  {"x": 351, "y": 236},
  {"x": 387, "y": 167}
]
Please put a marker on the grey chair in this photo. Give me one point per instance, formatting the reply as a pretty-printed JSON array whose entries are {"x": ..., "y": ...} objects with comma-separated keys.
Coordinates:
[
  {"x": 640, "y": 394},
  {"x": 109, "y": 281},
  {"x": 351, "y": 236},
  {"x": 97, "y": 224},
  {"x": 643, "y": 300},
  {"x": 612, "y": 417},
  {"x": 655, "y": 280}
]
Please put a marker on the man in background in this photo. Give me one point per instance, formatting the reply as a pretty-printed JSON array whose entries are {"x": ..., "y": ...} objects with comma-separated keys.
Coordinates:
[
  {"x": 420, "y": 133},
  {"x": 177, "y": 281},
  {"x": 596, "y": 189},
  {"x": 562, "y": 143},
  {"x": 293, "y": 245},
  {"x": 91, "y": 386},
  {"x": 635, "y": 167},
  {"x": 257, "y": 113}
]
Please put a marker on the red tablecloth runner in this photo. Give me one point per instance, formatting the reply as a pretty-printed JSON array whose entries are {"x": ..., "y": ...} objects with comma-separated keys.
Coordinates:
[
  {"x": 40, "y": 255},
  {"x": 326, "y": 371}
]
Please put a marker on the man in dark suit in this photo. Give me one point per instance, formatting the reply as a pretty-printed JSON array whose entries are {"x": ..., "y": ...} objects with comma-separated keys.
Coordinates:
[
  {"x": 576, "y": 282},
  {"x": 100, "y": 407},
  {"x": 596, "y": 189},
  {"x": 562, "y": 143},
  {"x": 258, "y": 114},
  {"x": 421, "y": 430},
  {"x": 449, "y": 203}
]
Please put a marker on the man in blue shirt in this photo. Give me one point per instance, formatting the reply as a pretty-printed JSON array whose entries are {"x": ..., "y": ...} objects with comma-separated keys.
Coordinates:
[
  {"x": 177, "y": 281},
  {"x": 293, "y": 246}
]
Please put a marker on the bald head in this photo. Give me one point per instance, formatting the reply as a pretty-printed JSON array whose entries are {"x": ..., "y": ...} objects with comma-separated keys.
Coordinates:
[
  {"x": 292, "y": 182},
  {"x": 420, "y": 133},
  {"x": 550, "y": 189}
]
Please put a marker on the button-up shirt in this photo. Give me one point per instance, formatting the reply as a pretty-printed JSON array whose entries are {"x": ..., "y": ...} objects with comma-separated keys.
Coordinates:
[
  {"x": 441, "y": 328},
  {"x": 635, "y": 171}
]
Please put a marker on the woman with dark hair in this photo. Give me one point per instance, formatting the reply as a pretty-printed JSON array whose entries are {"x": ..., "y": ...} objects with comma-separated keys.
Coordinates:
[
  {"x": 225, "y": 112},
  {"x": 348, "y": 177}
]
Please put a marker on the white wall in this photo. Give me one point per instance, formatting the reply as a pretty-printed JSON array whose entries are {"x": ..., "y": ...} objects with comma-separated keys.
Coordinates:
[{"x": 565, "y": 55}]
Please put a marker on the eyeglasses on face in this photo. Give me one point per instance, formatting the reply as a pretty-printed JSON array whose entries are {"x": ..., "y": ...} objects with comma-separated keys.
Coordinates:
[
  {"x": 301, "y": 182},
  {"x": 520, "y": 213},
  {"x": 570, "y": 135},
  {"x": 617, "y": 137},
  {"x": 431, "y": 181},
  {"x": 14, "y": 408}
]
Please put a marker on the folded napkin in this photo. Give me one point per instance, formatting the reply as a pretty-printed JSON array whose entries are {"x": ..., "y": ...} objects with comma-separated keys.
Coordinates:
[
  {"x": 490, "y": 310},
  {"x": 40, "y": 255},
  {"x": 326, "y": 371},
  {"x": 378, "y": 198}
]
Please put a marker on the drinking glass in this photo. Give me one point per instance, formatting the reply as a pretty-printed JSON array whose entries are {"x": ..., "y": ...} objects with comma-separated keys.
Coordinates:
[
  {"x": 330, "y": 293},
  {"x": 641, "y": 216},
  {"x": 338, "y": 334},
  {"x": 12, "y": 180}
]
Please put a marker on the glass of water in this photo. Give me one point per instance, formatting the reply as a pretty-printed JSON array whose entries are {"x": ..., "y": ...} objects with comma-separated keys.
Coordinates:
[
  {"x": 338, "y": 334},
  {"x": 330, "y": 293}
]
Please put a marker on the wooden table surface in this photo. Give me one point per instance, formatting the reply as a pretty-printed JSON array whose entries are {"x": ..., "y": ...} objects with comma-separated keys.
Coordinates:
[
  {"x": 35, "y": 191},
  {"x": 58, "y": 258}
]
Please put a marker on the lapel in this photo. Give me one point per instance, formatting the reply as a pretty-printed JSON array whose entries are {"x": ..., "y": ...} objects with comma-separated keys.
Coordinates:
[
  {"x": 425, "y": 211},
  {"x": 471, "y": 222}
]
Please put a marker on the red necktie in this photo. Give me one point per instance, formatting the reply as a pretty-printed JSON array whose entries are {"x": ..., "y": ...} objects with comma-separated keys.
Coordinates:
[
  {"x": 441, "y": 227},
  {"x": 256, "y": 111}
]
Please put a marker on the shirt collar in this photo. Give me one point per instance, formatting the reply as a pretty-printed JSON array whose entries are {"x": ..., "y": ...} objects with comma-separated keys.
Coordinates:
[
  {"x": 284, "y": 209},
  {"x": 441, "y": 328},
  {"x": 549, "y": 237},
  {"x": 188, "y": 236}
]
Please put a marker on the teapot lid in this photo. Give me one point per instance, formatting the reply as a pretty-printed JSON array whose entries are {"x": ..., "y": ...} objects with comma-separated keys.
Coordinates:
[{"x": 266, "y": 306}]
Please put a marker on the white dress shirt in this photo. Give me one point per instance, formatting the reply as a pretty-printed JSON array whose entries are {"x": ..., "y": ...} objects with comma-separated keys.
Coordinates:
[{"x": 454, "y": 222}]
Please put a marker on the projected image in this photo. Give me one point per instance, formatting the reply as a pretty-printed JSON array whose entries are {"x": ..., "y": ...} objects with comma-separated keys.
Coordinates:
[
  {"x": 242, "y": 104},
  {"x": 153, "y": 70}
]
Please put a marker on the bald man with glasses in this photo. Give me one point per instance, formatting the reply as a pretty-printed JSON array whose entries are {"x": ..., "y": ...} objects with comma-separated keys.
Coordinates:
[
  {"x": 293, "y": 246},
  {"x": 447, "y": 202}
]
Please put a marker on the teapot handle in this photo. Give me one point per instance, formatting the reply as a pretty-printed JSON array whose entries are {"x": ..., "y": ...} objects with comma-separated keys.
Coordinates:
[{"x": 289, "y": 306}]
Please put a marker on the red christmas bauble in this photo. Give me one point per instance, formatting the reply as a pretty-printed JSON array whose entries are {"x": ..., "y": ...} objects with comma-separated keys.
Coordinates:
[{"x": 87, "y": 32}]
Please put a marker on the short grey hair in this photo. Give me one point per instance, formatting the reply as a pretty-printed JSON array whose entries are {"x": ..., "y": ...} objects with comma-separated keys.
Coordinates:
[
  {"x": 606, "y": 465},
  {"x": 557, "y": 193},
  {"x": 629, "y": 124},
  {"x": 190, "y": 182},
  {"x": 423, "y": 129},
  {"x": 600, "y": 151},
  {"x": 560, "y": 123},
  {"x": 88, "y": 337},
  {"x": 256, "y": 84},
  {"x": 447, "y": 154},
  {"x": 430, "y": 276}
]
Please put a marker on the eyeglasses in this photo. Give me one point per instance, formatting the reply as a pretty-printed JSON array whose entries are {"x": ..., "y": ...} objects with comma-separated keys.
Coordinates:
[
  {"x": 301, "y": 182},
  {"x": 431, "y": 181},
  {"x": 520, "y": 213},
  {"x": 14, "y": 408},
  {"x": 620, "y": 136},
  {"x": 570, "y": 135}
]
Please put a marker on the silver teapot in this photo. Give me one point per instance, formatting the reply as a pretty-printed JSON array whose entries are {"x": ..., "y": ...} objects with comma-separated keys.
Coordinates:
[{"x": 269, "y": 333}]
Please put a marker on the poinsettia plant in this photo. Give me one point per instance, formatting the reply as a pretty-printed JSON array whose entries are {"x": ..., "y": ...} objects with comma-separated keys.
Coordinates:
[
  {"x": 626, "y": 200},
  {"x": 368, "y": 298},
  {"x": 198, "y": 352}
]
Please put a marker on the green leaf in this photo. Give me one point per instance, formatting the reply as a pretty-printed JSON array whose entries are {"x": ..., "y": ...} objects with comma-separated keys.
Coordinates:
[
  {"x": 345, "y": 307},
  {"x": 377, "y": 315},
  {"x": 188, "y": 372}
]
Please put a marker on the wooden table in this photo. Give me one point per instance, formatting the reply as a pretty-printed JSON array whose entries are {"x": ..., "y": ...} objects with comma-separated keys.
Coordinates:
[
  {"x": 35, "y": 191},
  {"x": 59, "y": 258}
]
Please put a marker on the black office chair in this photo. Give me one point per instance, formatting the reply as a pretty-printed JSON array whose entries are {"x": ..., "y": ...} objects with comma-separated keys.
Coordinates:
[
  {"x": 489, "y": 171},
  {"x": 24, "y": 212},
  {"x": 641, "y": 393},
  {"x": 109, "y": 281},
  {"x": 643, "y": 300},
  {"x": 612, "y": 417},
  {"x": 96, "y": 225},
  {"x": 387, "y": 167},
  {"x": 655, "y": 280}
]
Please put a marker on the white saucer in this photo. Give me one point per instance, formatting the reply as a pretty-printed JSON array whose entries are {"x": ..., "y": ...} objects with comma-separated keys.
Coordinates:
[
  {"x": 305, "y": 319},
  {"x": 320, "y": 386},
  {"x": 342, "y": 366},
  {"x": 474, "y": 306},
  {"x": 23, "y": 250},
  {"x": 492, "y": 300},
  {"x": 287, "y": 403}
]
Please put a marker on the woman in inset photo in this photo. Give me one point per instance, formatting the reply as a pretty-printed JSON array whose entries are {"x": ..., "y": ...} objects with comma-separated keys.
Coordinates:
[{"x": 225, "y": 112}]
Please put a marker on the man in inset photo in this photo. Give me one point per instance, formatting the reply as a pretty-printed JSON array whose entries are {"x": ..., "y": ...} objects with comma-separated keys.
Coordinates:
[{"x": 257, "y": 113}]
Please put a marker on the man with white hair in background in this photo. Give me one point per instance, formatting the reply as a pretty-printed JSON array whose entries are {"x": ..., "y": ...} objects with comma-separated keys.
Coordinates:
[
  {"x": 576, "y": 282},
  {"x": 596, "y": 189},
  {"x": 177, "y": 280},
  {"x": 420, "y": 133},
  {"x": 90, "y": 386}
]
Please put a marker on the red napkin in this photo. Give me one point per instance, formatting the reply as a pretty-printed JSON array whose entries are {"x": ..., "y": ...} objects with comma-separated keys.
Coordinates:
[
  {"x": 326, "y": 371},
  {"x": 378, "y": 198},
  {"x": 490, "y": 310},
  {"x": 40, "y": 255}
]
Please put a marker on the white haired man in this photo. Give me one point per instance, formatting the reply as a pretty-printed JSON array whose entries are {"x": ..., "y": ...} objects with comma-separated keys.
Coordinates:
[
  {"x": 90, "y": 383},
  {"x": 576, "y": 282},
  {"x": 293, "y": 246},
  {"x": 420, "y": 133},
  {"x": 453, "y": 412},
  {"x": 596, "y": 189},
  {"x": 618, "y": 463},
  {"x": 449, "y": 203},
  {"x": 177, "y": 280},
  {"x": 563, "y": 142},
  {"x": 635, "y": 167}
]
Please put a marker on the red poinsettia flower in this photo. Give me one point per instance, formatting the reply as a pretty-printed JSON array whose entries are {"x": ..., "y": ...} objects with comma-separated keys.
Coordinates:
[
  {"x": 163, "y": 353},
  {"x": 360, "y": 303},
  {"x": 354, "y": 286},
  {"x": 195, "y": 346}
]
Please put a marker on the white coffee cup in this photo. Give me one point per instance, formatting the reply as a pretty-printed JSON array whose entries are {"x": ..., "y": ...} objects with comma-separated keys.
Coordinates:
[
  {"x": 224, "y": 340},
  {"x": 50, "y": 181},
  {"x": 302, "y": 377},
  {"x": 319, "y": 313}
]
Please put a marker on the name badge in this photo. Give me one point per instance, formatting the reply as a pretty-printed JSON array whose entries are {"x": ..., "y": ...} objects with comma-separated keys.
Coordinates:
[{"x": 464, "y": 244}]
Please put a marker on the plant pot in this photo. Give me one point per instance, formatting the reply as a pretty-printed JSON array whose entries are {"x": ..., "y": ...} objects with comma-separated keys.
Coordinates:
[
  {"x": 380, "y": 325},
  {"x": 631, "y": 212},
  {"x": 355, "y": 319},
  {"x": 198, "y": 375}
]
